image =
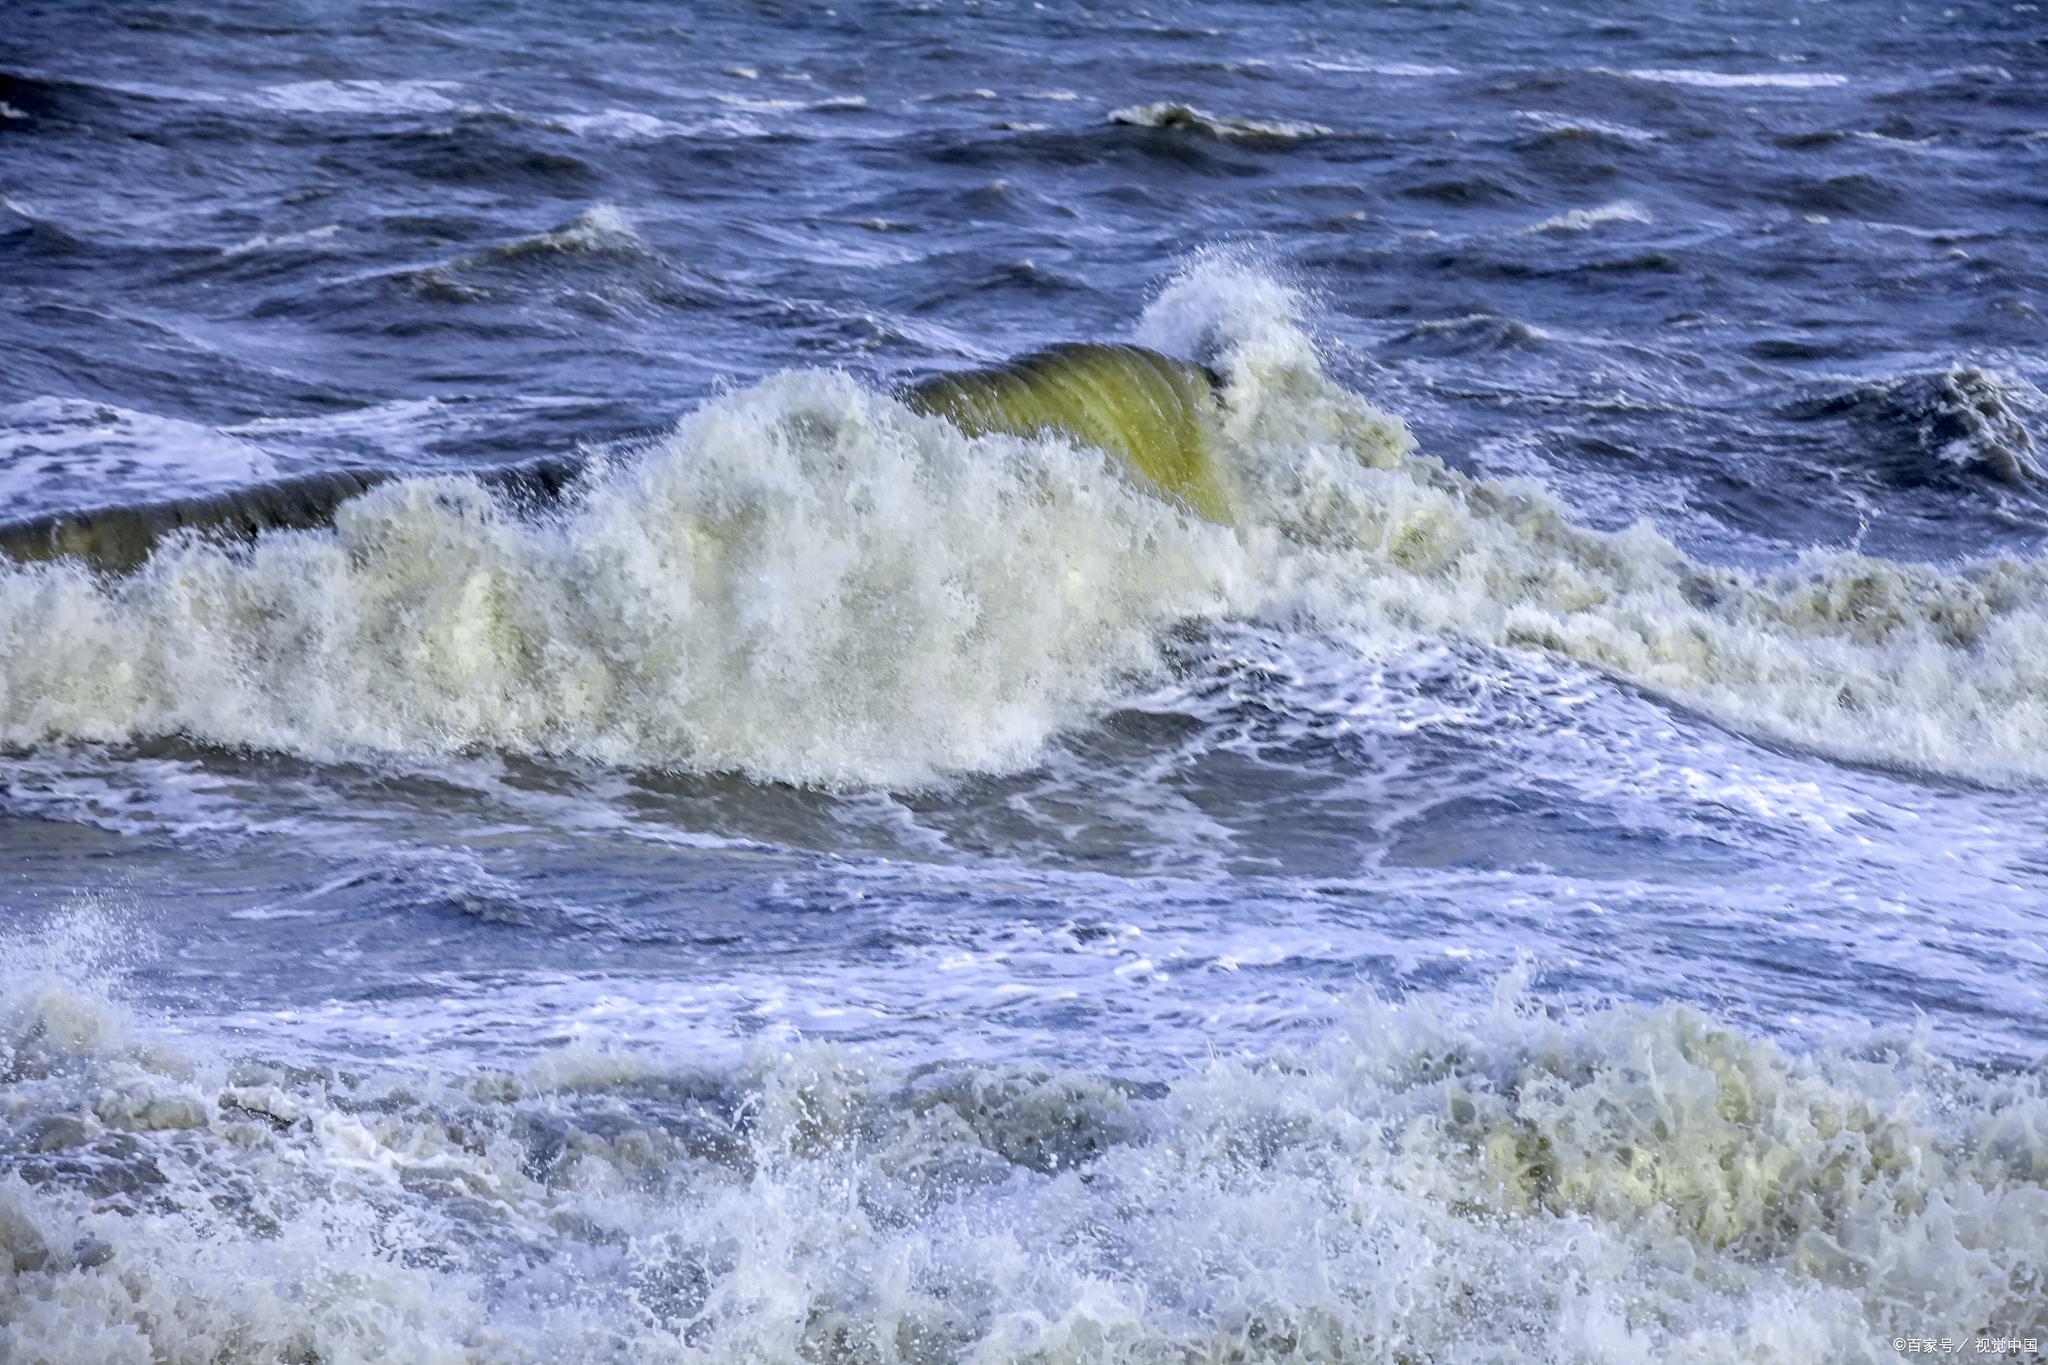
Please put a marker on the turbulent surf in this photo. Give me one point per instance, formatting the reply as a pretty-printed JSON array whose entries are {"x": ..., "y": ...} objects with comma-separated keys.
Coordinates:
[
  {"x": 1021, "y": 683},
  {"x": 1571, "y": 1178}
]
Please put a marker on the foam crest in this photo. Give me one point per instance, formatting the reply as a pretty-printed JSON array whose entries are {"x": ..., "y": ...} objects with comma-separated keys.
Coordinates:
[
  {"x": 1585, "y": 220},
  {"x": 1173, "y": 115},
  {"x": 600, "y": 229},
  {"x": 1735, "y": 80},
  {"x": 359, "y": 97}
]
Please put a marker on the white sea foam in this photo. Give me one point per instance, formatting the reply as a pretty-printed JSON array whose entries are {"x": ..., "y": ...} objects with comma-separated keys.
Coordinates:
[
  {"x": 1422, "y": 1182},
  {"x": 1414, "y": 70},
  {"x": 632, "y": 125},
  {"x": 760, "y": 104},
  {"x": 1578, "y": 125},
  {"x": 52, "y": 446},
  {"x": 1910, "y": 664}
]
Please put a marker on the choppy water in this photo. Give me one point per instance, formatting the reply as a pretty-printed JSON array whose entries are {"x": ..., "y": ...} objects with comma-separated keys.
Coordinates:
[{"x": 1562, "y": 877}]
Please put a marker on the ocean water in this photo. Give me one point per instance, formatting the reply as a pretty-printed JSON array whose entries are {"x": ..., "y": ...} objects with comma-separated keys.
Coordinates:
[{"x": 1563, "y": 875}]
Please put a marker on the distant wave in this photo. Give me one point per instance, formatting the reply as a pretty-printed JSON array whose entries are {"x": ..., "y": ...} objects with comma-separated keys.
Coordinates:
[
  {"x": 1973, "y": 417},
  {"x": 599, "y": 229},
  {"x": 599, "y": 237},
  {"x": 1731, "y": 80},
  {"x": 631, "y": 125},
  {"x": 1175, "y": 116},
  {"x": 359, "y": 97},
  {"x": 1584, "y": 220},
  {"x": 1416, "y": 70},
  {"x": 264, "y": 241},
  {"x": 1470, "y": 333},
  {"x": 1552, "y": 127},
  {"x": 35, "y": 231}
]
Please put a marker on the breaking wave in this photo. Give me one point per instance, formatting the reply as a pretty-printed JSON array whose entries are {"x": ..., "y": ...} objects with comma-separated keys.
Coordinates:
[
  {"x": 600, "y": 229},
  {"x": 808, "y": 580},
  {"x": 1961, "y": 419}
]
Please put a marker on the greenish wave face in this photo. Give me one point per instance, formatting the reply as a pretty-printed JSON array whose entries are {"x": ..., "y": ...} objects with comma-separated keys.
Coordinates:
[
  {"x": 1158, "y": 414},
  {"x": 119, "y": 539}
]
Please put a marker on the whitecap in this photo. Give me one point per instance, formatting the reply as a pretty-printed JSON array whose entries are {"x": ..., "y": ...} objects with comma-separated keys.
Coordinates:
[
  {"x": 1584, "y": 220},
  {"x": 1172, "y": 115},
  {"x": 1728, "y": 80},
  {"x": 359, "y": 97},
  {"x": 263, "y": 241},
  {"x": 1606, "y": 1184},
  {"x": 1413, "y": 70}
]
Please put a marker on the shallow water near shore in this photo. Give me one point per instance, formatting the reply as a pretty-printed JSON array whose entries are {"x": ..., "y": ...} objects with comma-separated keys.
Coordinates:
[{"x": 1558, "y": 875}]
